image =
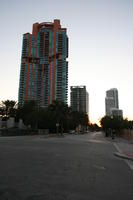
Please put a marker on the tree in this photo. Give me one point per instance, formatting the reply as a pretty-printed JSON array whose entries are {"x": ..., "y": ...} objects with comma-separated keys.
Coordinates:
[
  {"x": 2, "y": 112},
  {"x": 111, "y": 123},
  {"x": 94, "y": 127},
  {"x": 79, "y": 118},
  {"x": 127, "y": 124},
  {"x": 29, "y": 113},
  {"x": 9, "y": 108},
  {"x": 58, "y": 113}
]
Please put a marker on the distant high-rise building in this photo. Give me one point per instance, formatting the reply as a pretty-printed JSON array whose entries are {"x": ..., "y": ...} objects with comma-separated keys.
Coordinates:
[
  {"x": 44, "y": 69},
  {"x": 112, "y": 103},
  {"x": 117, "y": 112},
  {"x": 79, "y": 99}
]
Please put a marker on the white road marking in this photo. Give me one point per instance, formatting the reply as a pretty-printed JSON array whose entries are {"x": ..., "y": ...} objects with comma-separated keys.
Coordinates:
[{"x": 99, "y": 167}]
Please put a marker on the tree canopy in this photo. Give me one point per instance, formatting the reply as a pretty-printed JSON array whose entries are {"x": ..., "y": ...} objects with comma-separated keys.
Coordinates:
[
  {"x": 58, "y": 113},
  {"x": 8, "y": 108},
  {"x": 115, "y": 123}
]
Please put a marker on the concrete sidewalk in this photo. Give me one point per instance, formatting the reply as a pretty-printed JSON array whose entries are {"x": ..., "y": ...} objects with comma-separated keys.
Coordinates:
[{"x": 124, "y": 148}]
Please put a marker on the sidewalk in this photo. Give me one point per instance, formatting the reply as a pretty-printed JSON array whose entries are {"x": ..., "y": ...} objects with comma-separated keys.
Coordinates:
[{"x": 124, "y": 148}]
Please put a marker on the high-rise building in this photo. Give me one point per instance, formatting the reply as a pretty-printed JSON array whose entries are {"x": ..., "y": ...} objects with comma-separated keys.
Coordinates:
[
  {"x": 44, "y": 68},
  {"x": 79, "y": 99},
  {"x": 112, "y": 103}
]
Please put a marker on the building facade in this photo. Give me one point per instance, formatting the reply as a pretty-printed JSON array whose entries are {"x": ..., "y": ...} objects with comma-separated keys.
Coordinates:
[
  {"x": 117, "y": 112},
  {"x": 79, "y": 99},
  {"x": 44, "y": 66},
  {"x": 112, "y": 103}
]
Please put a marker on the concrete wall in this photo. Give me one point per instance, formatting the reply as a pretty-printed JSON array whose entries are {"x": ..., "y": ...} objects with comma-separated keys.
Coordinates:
[
  {"x": 11, "y": 122},
  {"x": 21, "y": 124}
]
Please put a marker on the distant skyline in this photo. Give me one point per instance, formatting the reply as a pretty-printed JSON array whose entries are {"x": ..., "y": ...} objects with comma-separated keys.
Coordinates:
[{"x": 100, "y": 46}]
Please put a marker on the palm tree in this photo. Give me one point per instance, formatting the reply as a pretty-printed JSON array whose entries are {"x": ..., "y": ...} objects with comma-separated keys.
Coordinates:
[
  {"x": 9, "y": 107},
  {"x": 58, "y": 115}
]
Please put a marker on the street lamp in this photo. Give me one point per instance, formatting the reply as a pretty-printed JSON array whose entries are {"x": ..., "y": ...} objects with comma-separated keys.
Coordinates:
[
  {"x": 112, "y": 130},
  {"x": 57, "y": 128}
]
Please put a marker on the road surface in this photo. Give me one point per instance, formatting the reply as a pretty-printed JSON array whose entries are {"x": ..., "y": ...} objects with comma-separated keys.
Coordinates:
[{"x": 74, "y": 167}]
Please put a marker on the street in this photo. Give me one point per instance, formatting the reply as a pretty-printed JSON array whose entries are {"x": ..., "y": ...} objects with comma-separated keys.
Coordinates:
[{"x": 73, "y": 167}]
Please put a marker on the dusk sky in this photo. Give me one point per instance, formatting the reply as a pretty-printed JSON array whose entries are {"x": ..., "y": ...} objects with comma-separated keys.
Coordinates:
[{"x": 100, "y": 46}]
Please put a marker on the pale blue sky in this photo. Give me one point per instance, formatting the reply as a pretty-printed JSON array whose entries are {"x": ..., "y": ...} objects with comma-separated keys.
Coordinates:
[{"x": 100, "y": 46}]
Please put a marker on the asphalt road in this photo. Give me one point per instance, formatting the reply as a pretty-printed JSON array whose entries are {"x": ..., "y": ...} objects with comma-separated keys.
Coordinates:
[{"x": 74, "y": 167}]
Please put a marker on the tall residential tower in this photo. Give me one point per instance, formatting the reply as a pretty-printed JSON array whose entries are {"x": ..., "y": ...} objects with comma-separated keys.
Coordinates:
[
  {"x": 112, "y": 103},
  {"x": 79, "y": 99},
  {"x": 44, "y": 69}
]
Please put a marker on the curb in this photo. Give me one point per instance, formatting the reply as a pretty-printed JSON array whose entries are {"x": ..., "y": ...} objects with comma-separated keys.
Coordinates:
[{"x": 123, "y": 156}]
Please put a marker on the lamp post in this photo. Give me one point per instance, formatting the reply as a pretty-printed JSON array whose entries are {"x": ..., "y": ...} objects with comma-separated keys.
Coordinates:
[
  {"x": 57, "y": 127},
  {"x": 112, "y": 130}
]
